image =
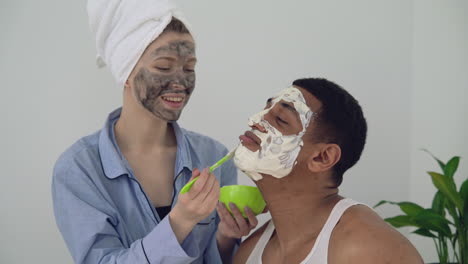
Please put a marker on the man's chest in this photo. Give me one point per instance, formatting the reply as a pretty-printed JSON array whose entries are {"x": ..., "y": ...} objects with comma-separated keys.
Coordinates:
[{"x": 273, "y": 253}]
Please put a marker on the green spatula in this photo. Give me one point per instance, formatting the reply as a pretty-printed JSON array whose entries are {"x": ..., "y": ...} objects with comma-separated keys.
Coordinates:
[{"x": 189, "y": 185}]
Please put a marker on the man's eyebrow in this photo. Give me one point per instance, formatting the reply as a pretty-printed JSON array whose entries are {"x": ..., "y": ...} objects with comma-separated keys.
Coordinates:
[{"x": 288, "y": 107}]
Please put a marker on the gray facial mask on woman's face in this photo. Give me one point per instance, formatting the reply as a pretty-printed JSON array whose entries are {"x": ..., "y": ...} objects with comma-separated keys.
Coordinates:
[{"x": 149, "y": 85}]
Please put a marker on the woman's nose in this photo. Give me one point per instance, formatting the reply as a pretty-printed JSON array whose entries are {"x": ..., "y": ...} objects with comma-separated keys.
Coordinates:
[{"x": 177, "y": 86}]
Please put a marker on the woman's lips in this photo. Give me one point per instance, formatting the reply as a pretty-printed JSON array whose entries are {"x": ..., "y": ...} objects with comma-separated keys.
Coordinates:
[{"x": 174, "y": 101}]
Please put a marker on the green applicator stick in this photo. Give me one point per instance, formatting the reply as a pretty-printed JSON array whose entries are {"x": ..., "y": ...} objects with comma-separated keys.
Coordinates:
[
  {"x": 189, "y": 185},
  {"x": 229, "y": 156}
]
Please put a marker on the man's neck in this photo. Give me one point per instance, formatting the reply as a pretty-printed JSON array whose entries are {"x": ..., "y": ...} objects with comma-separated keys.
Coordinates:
[
  {"x": 139, "y": 131},
  {"x": 299, "y": 211}
]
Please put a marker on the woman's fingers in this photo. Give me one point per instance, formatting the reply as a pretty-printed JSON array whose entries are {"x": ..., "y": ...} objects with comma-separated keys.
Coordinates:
[
  {"x": 240, "y": 220},
  {"x": 199, "y": 184},
  {"x": 253, "y": 222}
]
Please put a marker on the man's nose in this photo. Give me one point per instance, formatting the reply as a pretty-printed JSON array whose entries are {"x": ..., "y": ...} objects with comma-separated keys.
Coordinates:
[{"x": 259, "y": 127}]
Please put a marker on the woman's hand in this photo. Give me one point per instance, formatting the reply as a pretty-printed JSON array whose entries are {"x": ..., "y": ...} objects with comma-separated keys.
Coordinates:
[
  {"x": 232, "y": 227},
  {"x": 235, "y": 225},
  {"x": 195, "y": 205}
]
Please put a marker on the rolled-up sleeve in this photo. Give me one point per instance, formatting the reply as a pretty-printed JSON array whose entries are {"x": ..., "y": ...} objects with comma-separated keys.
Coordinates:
[{"x": 87, "y": 221}]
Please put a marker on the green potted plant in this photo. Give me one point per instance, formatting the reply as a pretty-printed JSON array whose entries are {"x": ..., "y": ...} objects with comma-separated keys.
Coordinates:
[{"x": 446, "y": 221}]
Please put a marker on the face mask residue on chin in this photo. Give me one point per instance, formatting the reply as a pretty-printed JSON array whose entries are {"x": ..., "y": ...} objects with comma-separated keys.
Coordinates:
[{"x": 278, "y": 153}]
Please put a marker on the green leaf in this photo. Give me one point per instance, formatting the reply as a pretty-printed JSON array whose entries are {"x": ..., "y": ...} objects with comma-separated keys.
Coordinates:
[
  {"x": 438, "y": 203},
  {"x": 409, "y": 208},
  {"x": 441, "y": 164},
  {"x": 464, "y": 196},
  {"x": 465, "y": 219},
  {"x": 464, "y": 191},
  {"x": 446, "y": 186},
  {"x": 451, "y": 166},
  {"x": 380, "y": 203},
  {"x": 454, "y": 238},
  {"x": 430, "y": 220},
  {"x": 424, "y": 232},
  {"x": 452, "y": 211},
  {"x": 400, "y": 221}
]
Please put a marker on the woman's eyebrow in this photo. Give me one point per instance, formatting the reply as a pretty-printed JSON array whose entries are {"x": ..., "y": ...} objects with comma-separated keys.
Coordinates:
[{"x": 165, "y": 58}]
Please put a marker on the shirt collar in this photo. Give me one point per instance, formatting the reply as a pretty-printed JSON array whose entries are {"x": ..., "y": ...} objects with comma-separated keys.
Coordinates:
[
  {"x": 115, "y": 164},
  {"x": 112, "y": 160},
  {"x": 183, "y": 157}
]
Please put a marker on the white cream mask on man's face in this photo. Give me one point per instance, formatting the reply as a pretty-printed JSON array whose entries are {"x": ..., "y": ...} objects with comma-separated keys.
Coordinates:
[{"x": 278, "y": 153}]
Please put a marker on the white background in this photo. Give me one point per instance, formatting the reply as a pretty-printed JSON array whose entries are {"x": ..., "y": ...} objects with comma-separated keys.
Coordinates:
[{"x": 405, "y": 61}]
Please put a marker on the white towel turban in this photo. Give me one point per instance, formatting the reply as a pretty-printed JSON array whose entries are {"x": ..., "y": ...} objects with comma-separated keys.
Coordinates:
[{"x": 124, "y": 28}]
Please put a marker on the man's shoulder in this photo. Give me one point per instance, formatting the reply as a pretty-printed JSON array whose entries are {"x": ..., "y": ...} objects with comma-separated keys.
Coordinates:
[{"x": 364, "y": 237}]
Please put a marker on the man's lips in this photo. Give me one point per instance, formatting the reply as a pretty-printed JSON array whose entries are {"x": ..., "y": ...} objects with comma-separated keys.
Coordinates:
[{"x": 250, "y": 138}]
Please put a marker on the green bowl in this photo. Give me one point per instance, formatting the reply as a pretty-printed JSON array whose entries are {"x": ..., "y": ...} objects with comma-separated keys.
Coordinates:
[{"x": 242, "y": 196}]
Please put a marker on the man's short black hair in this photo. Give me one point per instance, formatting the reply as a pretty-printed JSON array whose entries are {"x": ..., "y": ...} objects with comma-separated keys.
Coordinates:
[{"x": 340, "y": 121}]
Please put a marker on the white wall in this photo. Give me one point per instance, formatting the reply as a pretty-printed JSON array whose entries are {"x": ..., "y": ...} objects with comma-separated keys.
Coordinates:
[
  {"x": 439, "y": 115},
  {"x": 53, "y": 94}
]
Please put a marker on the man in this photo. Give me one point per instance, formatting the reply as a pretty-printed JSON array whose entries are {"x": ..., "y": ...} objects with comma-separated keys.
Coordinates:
[
  {"x": 115, "y": 191},
  {"x": 299, "y": 147}
]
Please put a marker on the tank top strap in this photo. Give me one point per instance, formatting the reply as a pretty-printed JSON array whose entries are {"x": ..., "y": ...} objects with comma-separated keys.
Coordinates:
[
  {"x": 256, "y": 254},
  {"x": 319, "y": 252}
]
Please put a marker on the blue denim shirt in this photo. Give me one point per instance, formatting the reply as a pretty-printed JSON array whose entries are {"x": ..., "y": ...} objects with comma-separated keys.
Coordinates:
[{"x": 105, "y": 216}]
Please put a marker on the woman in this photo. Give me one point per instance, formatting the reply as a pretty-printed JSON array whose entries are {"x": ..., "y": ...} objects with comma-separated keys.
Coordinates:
[{"x": 115, "y": 192}]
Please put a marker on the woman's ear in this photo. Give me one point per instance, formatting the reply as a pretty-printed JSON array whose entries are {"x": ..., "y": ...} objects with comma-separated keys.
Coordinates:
[{"x": 324, "y": 158}]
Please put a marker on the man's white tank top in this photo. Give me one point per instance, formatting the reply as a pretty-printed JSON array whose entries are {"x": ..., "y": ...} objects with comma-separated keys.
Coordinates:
[{"x": 319, "y": 252}]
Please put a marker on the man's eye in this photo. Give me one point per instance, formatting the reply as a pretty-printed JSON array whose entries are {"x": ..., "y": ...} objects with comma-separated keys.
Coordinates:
[
  {"x": 189, "y": 70},
  {"x": 163, "y": 68},
  {"x": 281, "y": 120}
]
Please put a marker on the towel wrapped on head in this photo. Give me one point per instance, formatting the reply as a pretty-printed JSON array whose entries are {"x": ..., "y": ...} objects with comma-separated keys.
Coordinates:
[{"x": 124, "y": 28}]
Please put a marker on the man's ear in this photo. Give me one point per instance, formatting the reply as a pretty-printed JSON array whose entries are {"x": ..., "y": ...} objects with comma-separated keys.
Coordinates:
[{"x": 324, "y": 158}]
